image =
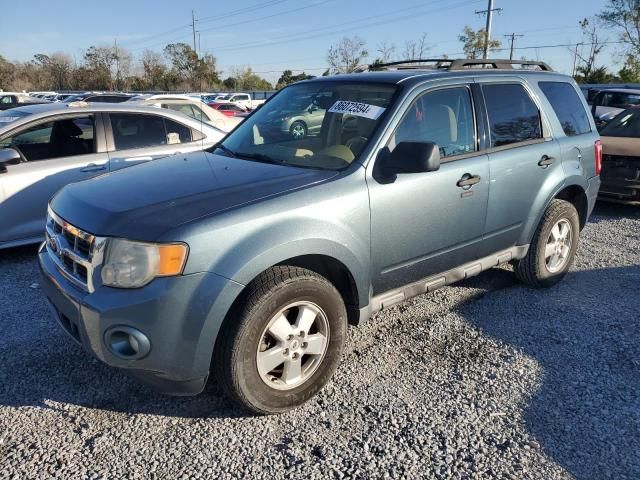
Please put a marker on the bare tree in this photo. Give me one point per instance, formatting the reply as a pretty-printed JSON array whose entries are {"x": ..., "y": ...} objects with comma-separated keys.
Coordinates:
[
  {"x": 414, "y": 49},
  {"x": 594, "y": 43},
  {"x": 386, "y": 51},
  {"x": 348, "y": 54},
  {"x": 624, "y": 16}
]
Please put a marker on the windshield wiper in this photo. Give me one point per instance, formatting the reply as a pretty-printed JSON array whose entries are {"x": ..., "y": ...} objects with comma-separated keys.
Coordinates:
[
  {"x": 259, "y": 157},
  {"x": 225, "y": 149}
]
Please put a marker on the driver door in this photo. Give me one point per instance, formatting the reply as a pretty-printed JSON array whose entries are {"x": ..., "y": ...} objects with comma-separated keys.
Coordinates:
[
  {"x": 425, "y": 223},
  {"x": 55, "y": 153}
]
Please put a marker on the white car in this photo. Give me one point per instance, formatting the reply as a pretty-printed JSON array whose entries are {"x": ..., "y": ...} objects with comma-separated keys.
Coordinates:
[
  {"x": 193, "y": 108},
  {"x": 244, "y": 100}
]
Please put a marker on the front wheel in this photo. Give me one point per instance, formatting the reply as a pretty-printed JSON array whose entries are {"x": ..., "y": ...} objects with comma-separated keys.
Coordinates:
[
  {"x": 284, "y": 342},
  {"x": 553, "y": 246},
  {"x": 298, "y": 130}
]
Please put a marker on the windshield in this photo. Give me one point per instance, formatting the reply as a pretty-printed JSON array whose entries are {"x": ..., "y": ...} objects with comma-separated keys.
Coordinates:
[
  {"x": 11, "y": 115},
  {"x": 321, "y": 125},
  {"x": 627, "y": 124}
]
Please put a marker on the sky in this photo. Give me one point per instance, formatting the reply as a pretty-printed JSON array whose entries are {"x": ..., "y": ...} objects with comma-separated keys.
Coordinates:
[{"x": 272, "y": 35}]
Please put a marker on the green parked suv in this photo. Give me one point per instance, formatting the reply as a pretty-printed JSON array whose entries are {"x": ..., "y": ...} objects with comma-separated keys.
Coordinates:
[{"x": 248, "y": 260}]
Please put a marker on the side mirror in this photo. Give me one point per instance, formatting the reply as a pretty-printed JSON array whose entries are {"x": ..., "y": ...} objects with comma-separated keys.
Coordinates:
[
  {"x": 9, "y": 156},
  {"x": 411, "y": 157}
]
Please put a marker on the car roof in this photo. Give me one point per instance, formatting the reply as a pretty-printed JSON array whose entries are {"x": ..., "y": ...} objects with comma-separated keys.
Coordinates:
[
  {"x": 620, "y": 90},
  {"x": 419, "y": 75},
  {"x": 40, "y": 111}
]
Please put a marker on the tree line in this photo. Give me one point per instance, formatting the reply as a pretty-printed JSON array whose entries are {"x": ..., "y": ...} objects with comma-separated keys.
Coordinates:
[{"x": 177, "y": 67}]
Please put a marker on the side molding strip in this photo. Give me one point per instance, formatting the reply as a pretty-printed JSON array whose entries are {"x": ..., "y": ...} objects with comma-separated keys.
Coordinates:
[{"x": 434, "y": 282}]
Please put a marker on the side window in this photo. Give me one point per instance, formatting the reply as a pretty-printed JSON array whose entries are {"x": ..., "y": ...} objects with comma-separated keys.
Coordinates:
[
  {"x": 61, "y": 138},
  {"x": 183, "y": 108},
  {"x": 137, "y": 131},
  {"x": 444, "y": 117},
  {"x": 7, "y": 99},
  {"x": 567, "y": 106},
  {"x": 513, "y": 117},
  {"x": 176, "y": 132}
]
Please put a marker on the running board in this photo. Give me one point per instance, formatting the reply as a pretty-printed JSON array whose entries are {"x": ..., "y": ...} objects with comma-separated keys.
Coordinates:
[{"x": 429, "y": 284}]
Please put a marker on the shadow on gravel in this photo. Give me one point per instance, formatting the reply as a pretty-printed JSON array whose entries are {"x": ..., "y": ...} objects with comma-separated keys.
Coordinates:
[
  {"x": 608, "y": 209},
  {"x": 585, "y": 335}
]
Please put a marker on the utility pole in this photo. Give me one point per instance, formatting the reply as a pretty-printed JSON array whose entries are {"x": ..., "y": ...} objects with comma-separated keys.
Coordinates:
[
  {"x": 575, "y": 59},
  {"x": 193, "y": 27},
  {"x": 513, "y": 40},
  {"x": 117, "y": 59},
  {"x": 489, "y": 12},
  {"x": 199, "y": 44}
]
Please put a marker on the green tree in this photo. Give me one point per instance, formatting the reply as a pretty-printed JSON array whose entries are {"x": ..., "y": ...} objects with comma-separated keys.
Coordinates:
[
  {"x": 287, "y": 78},
  {"x": 473, "y": 42},
  {"x": 196, "y": 72},
  {"x": 630, "y": 72},
  {"x": 587, "y": 69}
]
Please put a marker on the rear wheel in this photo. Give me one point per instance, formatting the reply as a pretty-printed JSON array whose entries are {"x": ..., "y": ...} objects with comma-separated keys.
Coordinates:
[
  {"x": 284, "y": 342},
  {"x": 553, "y": 247}
]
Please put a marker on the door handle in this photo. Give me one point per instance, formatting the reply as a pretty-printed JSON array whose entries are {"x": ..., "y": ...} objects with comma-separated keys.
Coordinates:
[
  {"x": 545, "y": 161},
  {"x": 468, "y": 180},
  {"x": 92, "y": 167}
]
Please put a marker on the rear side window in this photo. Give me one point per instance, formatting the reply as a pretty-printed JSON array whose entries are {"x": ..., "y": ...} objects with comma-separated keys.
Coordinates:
[
  {"x": 137, "y": 131},
  {"x": 140, "y": 131},
  {"x": 513, "y": 117},
  {"x": 568, "y": 108}
]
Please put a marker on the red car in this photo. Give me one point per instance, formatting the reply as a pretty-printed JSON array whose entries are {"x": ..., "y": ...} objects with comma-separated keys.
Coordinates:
[{"x": 229, "y": 109}]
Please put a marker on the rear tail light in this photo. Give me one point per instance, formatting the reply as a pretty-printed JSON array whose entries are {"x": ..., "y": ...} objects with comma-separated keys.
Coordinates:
[{"x": 598, "y": 149}]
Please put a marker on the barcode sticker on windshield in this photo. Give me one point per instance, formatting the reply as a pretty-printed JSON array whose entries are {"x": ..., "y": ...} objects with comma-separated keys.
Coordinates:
[{"x": 358, "y": 109}]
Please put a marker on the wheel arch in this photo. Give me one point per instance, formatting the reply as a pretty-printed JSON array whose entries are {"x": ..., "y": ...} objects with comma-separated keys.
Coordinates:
[{"x": 573, "y": 191}]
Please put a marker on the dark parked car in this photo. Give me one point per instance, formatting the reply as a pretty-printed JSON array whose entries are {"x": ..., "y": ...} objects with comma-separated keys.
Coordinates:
[
  {"x": 10, "y": 100},
  {"x": 248, "y": 259}
]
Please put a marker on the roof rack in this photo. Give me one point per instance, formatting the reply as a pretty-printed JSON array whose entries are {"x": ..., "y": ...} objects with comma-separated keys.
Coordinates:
[{"x": 459, "y": 64}]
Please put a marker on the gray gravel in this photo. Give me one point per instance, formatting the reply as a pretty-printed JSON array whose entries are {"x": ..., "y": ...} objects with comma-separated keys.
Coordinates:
[{"x": 487, "y": 379}]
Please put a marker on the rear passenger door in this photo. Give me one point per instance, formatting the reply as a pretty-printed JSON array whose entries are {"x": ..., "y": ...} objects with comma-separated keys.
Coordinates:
[
  {"x": 524, "y": 159},
  {"x": 424, "y": 223},
  {"x": 578, "y": 143},
  {"x": 134, "y": 138}
]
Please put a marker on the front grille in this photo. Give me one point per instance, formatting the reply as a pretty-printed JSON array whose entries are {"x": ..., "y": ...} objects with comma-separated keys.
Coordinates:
[{"x": 75, "y": 252}]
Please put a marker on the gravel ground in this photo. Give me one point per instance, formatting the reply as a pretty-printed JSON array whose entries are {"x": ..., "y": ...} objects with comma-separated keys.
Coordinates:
[{"x": 486, "y": 379}]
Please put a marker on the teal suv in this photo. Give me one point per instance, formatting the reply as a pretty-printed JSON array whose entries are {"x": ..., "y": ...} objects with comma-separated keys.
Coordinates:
[{"x": 248, "y": 260}]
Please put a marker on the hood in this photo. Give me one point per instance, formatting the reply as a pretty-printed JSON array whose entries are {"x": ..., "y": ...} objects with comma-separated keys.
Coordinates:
[
  {"x": 144, "y": 201},
  {"x": 623, "y": 146}
]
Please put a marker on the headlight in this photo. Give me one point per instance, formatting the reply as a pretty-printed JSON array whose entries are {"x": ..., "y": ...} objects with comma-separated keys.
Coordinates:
[{"x": 131, "y": 264}]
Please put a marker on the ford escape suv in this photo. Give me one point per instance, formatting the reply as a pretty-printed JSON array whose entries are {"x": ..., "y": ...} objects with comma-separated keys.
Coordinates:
[{"x": 247, "y": 260}]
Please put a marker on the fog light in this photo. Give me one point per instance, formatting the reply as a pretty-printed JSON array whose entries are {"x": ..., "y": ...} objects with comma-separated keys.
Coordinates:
[{"x": 127, "y": 343}]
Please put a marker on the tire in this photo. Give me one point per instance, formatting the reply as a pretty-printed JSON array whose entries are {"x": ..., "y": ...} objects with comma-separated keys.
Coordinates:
[
  {"x": 538, "y": 269},
  {"x": 298, "y": 130},
  {"x": 256, "y": 333}
]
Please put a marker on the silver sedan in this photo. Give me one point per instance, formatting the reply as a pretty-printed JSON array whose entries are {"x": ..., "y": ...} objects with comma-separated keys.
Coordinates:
[{"x": 45, "y": 147}]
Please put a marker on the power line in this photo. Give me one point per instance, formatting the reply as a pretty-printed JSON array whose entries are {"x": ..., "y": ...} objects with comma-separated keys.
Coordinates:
[
  {"x": 268, "y": 16},
  {"x": 302, "y": 36},
  {"x": 250, "y": 8}
]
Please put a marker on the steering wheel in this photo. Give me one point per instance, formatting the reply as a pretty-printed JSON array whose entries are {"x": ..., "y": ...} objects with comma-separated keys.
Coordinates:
[{"x": 355, "y": 144}]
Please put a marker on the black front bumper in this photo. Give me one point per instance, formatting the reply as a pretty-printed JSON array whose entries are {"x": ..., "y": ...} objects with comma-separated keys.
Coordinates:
[{"x": 620, "y": 179}]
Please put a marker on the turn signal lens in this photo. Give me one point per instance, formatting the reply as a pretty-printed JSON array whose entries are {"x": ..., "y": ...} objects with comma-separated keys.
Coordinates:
[{"x": 172, "y": 259}]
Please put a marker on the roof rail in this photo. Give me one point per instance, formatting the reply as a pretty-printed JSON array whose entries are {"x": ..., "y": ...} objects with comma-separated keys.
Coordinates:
[{"x": 460, "y": 64}]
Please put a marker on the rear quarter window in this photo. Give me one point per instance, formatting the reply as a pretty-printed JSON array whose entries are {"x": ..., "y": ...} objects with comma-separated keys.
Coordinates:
[{"x": 567, "y": 106}]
